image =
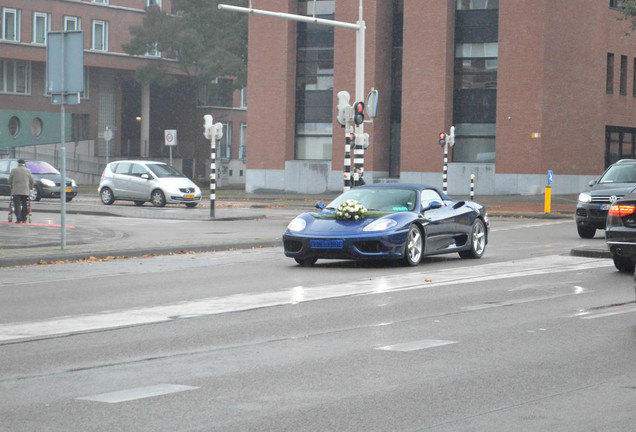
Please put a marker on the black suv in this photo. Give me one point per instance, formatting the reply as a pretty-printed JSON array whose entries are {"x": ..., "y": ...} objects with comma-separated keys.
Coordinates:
[
  {"x": 591, "y": 210},
  {"x": 47, "y": 180},
  {"x": 620, "y": 233}
]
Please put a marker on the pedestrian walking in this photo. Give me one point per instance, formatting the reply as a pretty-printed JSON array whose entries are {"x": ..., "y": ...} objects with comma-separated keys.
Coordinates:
[{"x": 21, "y": 182}]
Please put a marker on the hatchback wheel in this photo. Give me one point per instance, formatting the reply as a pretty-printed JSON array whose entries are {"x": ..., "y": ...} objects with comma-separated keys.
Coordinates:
[
  {"x": 158, "y": 198},
  {"x": 35, "y": 194},
  {"x": 107, "y": 196}
]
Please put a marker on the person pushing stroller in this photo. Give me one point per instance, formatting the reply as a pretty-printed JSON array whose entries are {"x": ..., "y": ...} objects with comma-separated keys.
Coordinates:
[{"x": 21, "y": 182}]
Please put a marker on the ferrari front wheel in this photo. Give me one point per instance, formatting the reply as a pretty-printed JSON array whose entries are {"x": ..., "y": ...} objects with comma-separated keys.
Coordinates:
[
  {"x": 306, "y": 262},
  {"x": 477, "y": 241},
  {"x": 413, "y": 247}
]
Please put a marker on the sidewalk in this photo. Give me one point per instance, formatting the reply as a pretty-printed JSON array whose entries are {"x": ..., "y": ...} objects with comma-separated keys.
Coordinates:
[{"x": 241, "y": 221}]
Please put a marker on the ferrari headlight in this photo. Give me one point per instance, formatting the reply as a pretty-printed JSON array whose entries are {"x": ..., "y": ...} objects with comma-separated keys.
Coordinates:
[
  {"x": 380, "y": 225},
  {"x": 298, "y": 224},
  {"x": 585, "y": 197},
  {"x": 47, "y": 182}
]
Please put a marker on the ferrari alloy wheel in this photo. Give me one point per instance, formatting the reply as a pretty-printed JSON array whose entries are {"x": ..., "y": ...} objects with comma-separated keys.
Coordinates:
[
  {"x": 477, "y": 241},
  {"x": 413, "y": 249}
]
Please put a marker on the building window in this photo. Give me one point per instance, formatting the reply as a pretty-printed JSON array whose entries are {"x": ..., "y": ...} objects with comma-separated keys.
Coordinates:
[
  {"x": 244, "y": 97},
  {"x": 100, "y": 35},
  {"x": 36, "y": 127},
  {"x": 11, "y": 24},
  {"x": 634, "y": 79},
  {"x": 225, "y": 144},
  {"x": 609, "y": 84},
  {"x": 243, "y": 145},
  {"x": 79, "y": 125},
  {"x": 216, "y": 93},
  {"x": 15, "y": 76},
  {"x": 477, "y": 4},
  {"x": 150, "y": 3},
  {"x": 72, "y": 23},
  {"x": 155, "y": 51},
  {"x": 623, "y": 77},
  {"x": 41, "y": 26},
  {"x": 314, "y": 82},
  {"x": 616, "y": 4},
  {"x": 14, "y": 126}
]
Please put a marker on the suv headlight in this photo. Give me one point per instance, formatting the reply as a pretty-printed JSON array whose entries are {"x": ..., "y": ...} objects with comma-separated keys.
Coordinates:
[{"x": 585, "y": 197}]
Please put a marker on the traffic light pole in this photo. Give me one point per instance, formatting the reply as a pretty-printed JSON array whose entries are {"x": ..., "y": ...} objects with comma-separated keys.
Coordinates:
[{"x": 360, "y": 28}]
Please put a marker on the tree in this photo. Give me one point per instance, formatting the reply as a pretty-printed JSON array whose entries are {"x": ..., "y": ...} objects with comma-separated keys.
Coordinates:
[
  {"x": 201, "y": 41},
  {"x": 629, "y": 11}
]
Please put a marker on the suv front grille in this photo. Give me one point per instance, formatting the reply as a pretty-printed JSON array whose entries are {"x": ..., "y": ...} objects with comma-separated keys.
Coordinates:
[{"x": 604, "y": 199}]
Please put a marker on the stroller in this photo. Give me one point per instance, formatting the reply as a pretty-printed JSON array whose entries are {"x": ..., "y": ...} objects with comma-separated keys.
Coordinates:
[{"x": 12, "y": 209}]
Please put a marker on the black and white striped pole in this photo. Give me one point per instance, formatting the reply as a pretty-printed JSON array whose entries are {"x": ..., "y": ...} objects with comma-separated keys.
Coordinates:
[
  {"x": 472, "y": 187},
  {"x": 213, "y": 132},
  {"x": 445, "y": 141}
]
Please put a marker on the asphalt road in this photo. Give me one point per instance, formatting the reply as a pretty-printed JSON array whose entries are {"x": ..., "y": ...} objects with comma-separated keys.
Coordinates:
[{"x": 527, "y": 338}]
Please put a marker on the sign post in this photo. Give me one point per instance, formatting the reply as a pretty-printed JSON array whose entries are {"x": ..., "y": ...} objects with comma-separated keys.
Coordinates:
[
  {"x": 548, "y": 193},
  {"x": 170, "y": 138},
  {"x": 65, "y": 82}
]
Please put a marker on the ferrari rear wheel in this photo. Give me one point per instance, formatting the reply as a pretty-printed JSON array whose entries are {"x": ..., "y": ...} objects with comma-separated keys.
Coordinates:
[
  {"x": 306, "y": 262},
  {"x": 413, "y": 249},
  {"x": 477, "y": 241}
]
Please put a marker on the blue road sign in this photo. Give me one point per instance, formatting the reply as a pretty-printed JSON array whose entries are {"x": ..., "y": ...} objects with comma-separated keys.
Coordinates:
[{"x": 550, "y": 176}]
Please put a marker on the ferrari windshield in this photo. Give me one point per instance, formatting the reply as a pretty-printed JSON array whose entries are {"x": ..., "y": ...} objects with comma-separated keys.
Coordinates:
[
  {"x": 390, "y": 200},
  {"x": 620, "y": 174}
]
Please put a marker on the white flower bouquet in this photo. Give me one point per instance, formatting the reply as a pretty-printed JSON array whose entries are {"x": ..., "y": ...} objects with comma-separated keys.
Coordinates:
[{"x": 350, "y": 210}]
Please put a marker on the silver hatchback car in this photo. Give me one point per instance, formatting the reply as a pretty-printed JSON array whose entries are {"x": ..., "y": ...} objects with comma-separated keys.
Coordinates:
[{"x": 143, "y": 181}]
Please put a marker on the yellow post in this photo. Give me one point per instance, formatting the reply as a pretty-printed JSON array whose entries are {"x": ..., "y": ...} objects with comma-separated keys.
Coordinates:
[{"x": 548, "y": 198}]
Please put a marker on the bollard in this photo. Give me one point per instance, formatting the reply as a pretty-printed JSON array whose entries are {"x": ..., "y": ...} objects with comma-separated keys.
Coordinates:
[
  {"x": 472, "y": 187},
  {"x": 548, "y": 198}
]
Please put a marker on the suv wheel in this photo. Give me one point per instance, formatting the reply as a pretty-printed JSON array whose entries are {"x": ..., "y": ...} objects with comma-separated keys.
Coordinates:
[
  {"x": 624, "y": 264},
  {"x": 585, "y": 231}
]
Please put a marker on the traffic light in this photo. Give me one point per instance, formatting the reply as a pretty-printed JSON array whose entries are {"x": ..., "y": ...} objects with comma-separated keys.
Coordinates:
[
  {"x": 211, "y": 130},
  {"x": 442, "y": 139},
  {"x": 342, "y": 99},
  {"x": 358, "y": 113}
]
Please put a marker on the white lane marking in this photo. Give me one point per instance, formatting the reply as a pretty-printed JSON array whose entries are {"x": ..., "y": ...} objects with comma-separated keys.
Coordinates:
[
  {"x": 607, "y": 314},
  {"x": 242, "y": 302},
  {"x": 530, "y": 225},
  {"x": 416, "y": 345},
  {"x": 574, "y": 291},
  {"x": 137, "y": 393}
]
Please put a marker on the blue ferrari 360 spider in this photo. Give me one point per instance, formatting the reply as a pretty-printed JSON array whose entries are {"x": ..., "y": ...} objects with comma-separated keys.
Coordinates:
[{"x": 388, "y": 221}]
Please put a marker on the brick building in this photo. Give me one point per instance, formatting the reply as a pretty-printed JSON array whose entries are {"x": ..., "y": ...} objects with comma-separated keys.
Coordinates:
[
  {"x": 530, "y": 86},
  {"x": 30, "y": 126}
]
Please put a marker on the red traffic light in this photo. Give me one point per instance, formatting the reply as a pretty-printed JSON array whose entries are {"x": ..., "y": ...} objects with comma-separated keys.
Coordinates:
[
  {"x": 358, "y": 113},
  {"x": 442, "y": 139}
]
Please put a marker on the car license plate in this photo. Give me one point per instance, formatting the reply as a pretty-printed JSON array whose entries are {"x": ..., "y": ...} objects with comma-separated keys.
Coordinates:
[
  {"x": 605, "y": 206},
  {"x": 326, "y": 244},
  {"x": 69, "y": 190},
  {"x": 189, "y": 196}
]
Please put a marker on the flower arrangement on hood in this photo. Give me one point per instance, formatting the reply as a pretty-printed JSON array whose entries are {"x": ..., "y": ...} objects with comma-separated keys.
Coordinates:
[{"x": 350, "y": 210}]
